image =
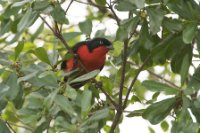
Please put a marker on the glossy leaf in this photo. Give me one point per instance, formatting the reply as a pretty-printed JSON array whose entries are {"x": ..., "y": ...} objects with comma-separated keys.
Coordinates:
[
  {"x": 62, "y": 123},
  {"x": 139, "y": 3},
  {"x": 71, "y": 35},
  {"x": 70, "y": 92},
  {"x": 159, "y": 87},
  {"x": 42, "y": 55},
  {"x": 156, "y": 112},
  {"x": 86, "y": 101},
  {"x": 155, "y": 17},
  {"x": 61, "y": 19},
  {"x": 25, "y": 20},
  {"x": 189, "y": 32},
  {"x": 125, "y": 6},
  {"x": 86, "y": 27},
  {"x": 64, "y": 104},
  {"x": 181, "y": 62},
  {"x": 18, "y": 49},
  {"x": 98, "y": 115},
  {"x": 135, "y": 113},
  {"x": 20, "y": 3},
  {"x": 13, "y": 86},
  {"x": 85, "y": 77}
]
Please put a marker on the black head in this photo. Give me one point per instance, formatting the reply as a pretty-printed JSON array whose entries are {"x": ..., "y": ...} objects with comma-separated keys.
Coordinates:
[{"x": 96, "y": 42}]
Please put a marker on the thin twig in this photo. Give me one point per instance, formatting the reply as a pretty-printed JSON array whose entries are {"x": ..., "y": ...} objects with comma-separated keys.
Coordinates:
[
  {"x": 10, "y": 127},
  {"x": 167, "y": 81},
  {"x": 107, "y": 95},
  {"x": 134, "y": 80},
  {"x": 115, "y": 15},
  {"x": 21, "y": 126},
  {"x": 58, "y": 35},
  {"x": 47, "y": 24},
  {"x": 158, "y": 76},
  {"x": 68, "y": 6},
  {"x": 66, "y": 13}
]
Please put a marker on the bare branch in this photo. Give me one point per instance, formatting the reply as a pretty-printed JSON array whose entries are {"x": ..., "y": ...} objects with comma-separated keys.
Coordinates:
[
  {"x": 16, "y": 125},
  {"x": 123, "y": 73},
  {"x": 135, "y": 79},
  {"x": 110, "y": 6},
  {"x": 107, "y": 95},
  {"x": 66, "y": 13}
]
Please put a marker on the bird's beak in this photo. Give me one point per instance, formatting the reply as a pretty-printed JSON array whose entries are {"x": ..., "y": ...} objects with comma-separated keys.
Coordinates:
[{"x": 110, "y": 47}]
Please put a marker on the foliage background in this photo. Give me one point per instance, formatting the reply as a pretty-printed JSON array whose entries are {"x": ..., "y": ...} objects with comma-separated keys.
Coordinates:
[{"x": 151, "y": 34}]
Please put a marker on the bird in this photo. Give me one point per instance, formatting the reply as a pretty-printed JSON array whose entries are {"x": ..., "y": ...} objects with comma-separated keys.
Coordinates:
[{"x": 89, "y": 55}]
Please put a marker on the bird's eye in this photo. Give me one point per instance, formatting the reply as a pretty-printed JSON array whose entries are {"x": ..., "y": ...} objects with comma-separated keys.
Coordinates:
[{"x": 101, "y": 42}]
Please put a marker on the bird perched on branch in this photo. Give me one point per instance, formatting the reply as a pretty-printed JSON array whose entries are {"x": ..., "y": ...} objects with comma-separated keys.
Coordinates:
[{"x": 89, "y": 55}]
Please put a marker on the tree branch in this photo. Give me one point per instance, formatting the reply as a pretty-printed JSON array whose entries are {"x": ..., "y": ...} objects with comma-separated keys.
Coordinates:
[
  {"x": 66, "y": 13},
  {"x": 110, "y": 6},
  {"x": 16, "y": 125},
  {"x": 135, "y": 79},
  {"x": 107, "y": 95},
  {"x": 121, "y": 87},
  {"x": 58, "y": 35}
]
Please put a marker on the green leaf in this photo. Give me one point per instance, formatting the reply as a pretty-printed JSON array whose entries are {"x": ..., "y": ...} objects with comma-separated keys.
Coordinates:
[
  {"x": 70, "y": 92},
  {"x": 156, "y": 16},
  {"x": 193, "y": 84},
  {"x": 27, "y": 77},
  {"x": 13, "y": 86},
  {"x": 99, "y": 115},
  {"x": 118, "y": 46},
  {"x": 159, "y": 87},
  {"x": 122, "y": 34},
  {"x": 135, "y": 113},
  {"x": 3, "y": 127},
  {"x": 71, "y": 35},
  {"x": 20, "y": 3},
  {"x": 48, "y": 78},
  {"x": 125, "y": 6},
  {"x": 172, "y": 24},
  {"x": 165, "y": 126},
  {"x": 9, "y": 11},
  {"x": 101, "y": 2},
  {"x": 41, "y": 127},
  {"x": 5, "y": 27},
  {"x": 28, "y": 116},
  {"x": 86, "y": 101},
  {"x": 64, "y": 104},
  {"x": 62, "y": 123},
  {"x": 25, "y": 20},
  {"x": 127, "y": 27},
  {"x": 5, "y": 62},
  {"x": 181, "y": 62},
  {"x": 42, "y": 55},
  {"x": 86, "y": 76},
  {"x": 151, "y": 130},
  {"x": 48, "y": 101},
  {"x": 139, "y": 3},
  {"x": 156, "y": 112},
  {"x": 86, "y": 27},
  {"x": 18, "y": 49},
  {"x": 189, "y": 32},
  {"x": 37, "y": 32},
  {"x": 40, "y": 5},
  {"x": 58, "y": 15},
  {"x": 53, "y": 57}
]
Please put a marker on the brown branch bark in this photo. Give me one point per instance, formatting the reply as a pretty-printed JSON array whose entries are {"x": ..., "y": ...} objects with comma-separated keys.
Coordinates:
[{"x": 134, "y": 80}]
